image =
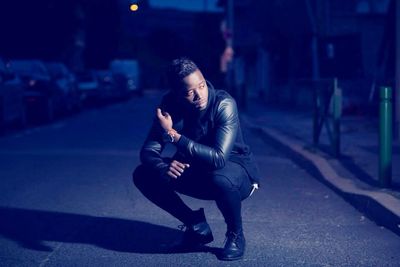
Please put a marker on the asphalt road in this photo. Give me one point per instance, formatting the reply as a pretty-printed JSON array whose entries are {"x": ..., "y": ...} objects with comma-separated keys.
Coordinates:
[{"x": 67, "y": 199}]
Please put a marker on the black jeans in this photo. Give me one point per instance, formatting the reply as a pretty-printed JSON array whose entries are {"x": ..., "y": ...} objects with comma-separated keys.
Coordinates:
[{"x": 227, "y": 186}]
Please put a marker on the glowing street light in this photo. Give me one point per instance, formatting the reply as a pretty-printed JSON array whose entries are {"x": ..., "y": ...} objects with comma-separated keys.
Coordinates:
[{"x": 134, "y": 7}]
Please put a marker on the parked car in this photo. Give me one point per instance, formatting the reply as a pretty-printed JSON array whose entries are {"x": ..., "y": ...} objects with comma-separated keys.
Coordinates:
[
  {"x": 65, "y": 81},
  {"x": 126, "y": 75},
  {"x": 12, "y": 108},
  {"x": 108, "y": 87},
  {"x": 88, "y": 86},
  {"x": 43, "y": 99}
]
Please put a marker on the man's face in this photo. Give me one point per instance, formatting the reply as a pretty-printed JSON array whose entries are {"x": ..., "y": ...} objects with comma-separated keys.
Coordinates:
[{"x": 195, "y": 90}]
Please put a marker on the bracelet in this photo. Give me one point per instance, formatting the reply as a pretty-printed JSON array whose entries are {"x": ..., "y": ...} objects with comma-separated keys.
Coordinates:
[{"x": 172, "y": 133}]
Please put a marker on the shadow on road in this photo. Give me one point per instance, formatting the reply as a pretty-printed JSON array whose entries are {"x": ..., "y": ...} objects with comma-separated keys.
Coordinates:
[{"x": 31, "y": 228}]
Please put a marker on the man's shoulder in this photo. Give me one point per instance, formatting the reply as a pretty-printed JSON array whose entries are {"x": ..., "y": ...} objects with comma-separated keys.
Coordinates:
[
  {"x": 225, "y": 105},
  {"x": 223, "y": 96}
]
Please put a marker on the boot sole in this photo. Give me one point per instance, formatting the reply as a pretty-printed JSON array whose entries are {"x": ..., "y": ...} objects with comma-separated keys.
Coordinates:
[{"x": 230, "y": 258}]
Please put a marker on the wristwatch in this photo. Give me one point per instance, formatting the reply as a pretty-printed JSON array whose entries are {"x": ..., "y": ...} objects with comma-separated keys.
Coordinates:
[{"x": 169, "y": 136}]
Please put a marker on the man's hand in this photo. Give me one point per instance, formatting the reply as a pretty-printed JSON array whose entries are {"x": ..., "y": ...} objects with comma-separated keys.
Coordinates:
[
  {"x": 176, "y": 169},
  {"x": 165, "y": 120}
]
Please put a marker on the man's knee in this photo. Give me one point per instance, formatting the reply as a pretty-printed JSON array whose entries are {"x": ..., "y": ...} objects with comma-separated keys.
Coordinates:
[
  {"x": 229, "y": 178},
  {"x": 139, "y": 175},
  {"x": 222, "y": 182},
  {"x": 143, "y": 176}
]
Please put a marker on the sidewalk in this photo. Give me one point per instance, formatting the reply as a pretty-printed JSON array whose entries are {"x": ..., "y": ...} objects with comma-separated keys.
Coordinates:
[{"x": 354, "y": 175}]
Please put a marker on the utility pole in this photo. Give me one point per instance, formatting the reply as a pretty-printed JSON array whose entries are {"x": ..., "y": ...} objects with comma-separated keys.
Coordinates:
[
  {"x": 230, "y": 21},
  {"x": 314, "y": 41},
  {"x": 229, "y": 44}
]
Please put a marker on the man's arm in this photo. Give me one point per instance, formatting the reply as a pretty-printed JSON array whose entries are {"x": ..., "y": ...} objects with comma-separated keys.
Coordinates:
[
  {"x": 150, "y": 154},
  {"x": 227, "y": 123},
  {"x": 152, "y": 148}
]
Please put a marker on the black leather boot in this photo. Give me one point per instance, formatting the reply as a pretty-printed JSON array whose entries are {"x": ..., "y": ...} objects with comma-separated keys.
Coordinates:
[
  {"x": 197, "y": 233},
  {"x": 234, "y": 248}
]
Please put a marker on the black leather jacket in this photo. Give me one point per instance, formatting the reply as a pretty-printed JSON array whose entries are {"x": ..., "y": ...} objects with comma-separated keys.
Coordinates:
[{"x": 207, "y": 140}]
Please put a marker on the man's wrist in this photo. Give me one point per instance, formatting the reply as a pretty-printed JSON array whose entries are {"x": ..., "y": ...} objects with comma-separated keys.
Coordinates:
[
  {"x": 172, "y": 132},
  {"x": 171, "y": 136}
]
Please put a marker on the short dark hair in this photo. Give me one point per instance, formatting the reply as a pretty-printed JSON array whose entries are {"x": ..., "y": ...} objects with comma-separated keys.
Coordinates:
[{"x": 179, "y": 69}]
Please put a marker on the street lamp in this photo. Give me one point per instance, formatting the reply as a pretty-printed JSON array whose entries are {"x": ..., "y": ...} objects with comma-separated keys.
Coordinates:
[{"x": 134, "y": 7}]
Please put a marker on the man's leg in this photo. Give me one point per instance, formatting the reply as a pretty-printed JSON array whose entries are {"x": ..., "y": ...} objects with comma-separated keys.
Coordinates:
[
  {"x": 232, "y": 185},
  {"x": 161, "y": 192},
  {"x": 227, "y": 186}
]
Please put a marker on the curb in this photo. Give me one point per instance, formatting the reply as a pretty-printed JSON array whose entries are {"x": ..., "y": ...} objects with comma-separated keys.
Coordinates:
[{"x": 379, "y": 206}]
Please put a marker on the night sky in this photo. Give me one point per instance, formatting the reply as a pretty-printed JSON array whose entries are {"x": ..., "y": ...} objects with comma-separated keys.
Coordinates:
[{"x": 46, "y": 29}]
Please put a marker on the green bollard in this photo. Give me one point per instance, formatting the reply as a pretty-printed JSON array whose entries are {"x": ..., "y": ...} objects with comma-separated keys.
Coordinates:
[{"x": 385, "y": 137}]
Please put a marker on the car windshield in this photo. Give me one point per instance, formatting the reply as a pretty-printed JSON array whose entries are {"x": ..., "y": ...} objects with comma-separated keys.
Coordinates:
[
  {"x": 56, "y": 70},
  {"x": 31, "y": 68},
  {"x": 85, "y": 77}
]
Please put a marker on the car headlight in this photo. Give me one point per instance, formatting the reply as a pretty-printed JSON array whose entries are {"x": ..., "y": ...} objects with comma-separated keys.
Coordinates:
[{"x": 32, "y": 82}]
